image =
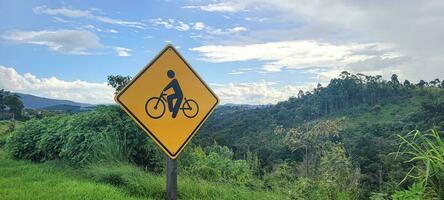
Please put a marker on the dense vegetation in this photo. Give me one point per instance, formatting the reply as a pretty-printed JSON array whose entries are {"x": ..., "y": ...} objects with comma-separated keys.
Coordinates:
[
  {"x": 10, "y": 105},
  {"x": 352, "y": 139}
]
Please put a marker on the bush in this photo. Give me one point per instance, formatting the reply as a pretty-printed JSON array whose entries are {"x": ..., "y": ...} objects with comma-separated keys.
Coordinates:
[
  {"x": 281, "y": 175},
  {"x": 6, "y": 127},
  {"x": 415, "y": 192},
  {"x": 22, "y": 143},
  {"x": 103, "y": 135},
  {"x": 217, "y": 164}
]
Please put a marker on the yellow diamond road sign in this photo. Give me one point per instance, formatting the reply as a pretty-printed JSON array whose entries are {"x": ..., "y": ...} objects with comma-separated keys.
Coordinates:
[{"x": 168, "y": 100}]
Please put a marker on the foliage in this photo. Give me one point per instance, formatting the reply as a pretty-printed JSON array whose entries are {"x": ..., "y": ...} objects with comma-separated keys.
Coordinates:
[
  {"x": 6, "y": 127},
  {"x": 10, "y": 105},
  {"x": 336, "y": 144},
  {"x": 426, "y": 151},
  {"x": 280, "y": 176},
  {"x": 338, "y": 178},
  {"x": 246, "y": 129},
  {"x": 217, "y": 164},
  {"x": 314, "y": 139},
  {"x": 415, "y": 192},
  {"x": 378, "y": 196},
  {"x": 118, "y": 82},
  {"x": 105, "y": 134}
]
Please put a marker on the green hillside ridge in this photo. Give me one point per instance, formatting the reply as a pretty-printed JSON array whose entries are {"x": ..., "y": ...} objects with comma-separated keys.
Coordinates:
[{"x": 342, "y": 141}]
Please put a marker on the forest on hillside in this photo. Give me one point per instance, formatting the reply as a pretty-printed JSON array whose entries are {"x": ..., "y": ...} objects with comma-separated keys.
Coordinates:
[{"x": 359, "y": 137}]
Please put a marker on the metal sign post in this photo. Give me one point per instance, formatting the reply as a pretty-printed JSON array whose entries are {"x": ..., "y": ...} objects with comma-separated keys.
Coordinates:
[{"x": 171, "y": 178}]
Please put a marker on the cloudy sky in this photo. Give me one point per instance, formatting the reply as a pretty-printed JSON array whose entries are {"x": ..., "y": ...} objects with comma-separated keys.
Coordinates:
[{"x": 249, "y": 51}]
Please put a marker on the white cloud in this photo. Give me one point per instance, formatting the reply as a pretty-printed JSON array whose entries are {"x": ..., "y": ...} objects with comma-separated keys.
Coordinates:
[
  {"x": 236, "y": 72},
  {"x": 171, "y": 24},
  {"x": 76, "y": 42},
  {"x": 198, "y": 26},
  {"x": 91, "y": 28},
  {"x": 80, "y": 91},
  {"x": 58, "y": 19},
  {"x": 414, "y": 29},
  {"x": 240, "y": 71},
  {"x": 122, "y": 51},
  {"x": 183, "y": 27},
  {"x": 300, "y": 54},
  {"x": 168, "y": 24},
  {"x": 79, "y": 42},
  {"x": 227, "y": 31},
  {"x": 256, "y": 19},
  {"x": 87, "y": 14},
  {"x": 262, "y": 92},
  {"x": 220, "y": 7},
  {"x": 111, "y": 31}
]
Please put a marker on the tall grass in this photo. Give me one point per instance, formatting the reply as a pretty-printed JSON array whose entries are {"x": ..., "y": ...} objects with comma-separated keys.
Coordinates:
[
  {"x": 426, "y": 152},
  {"x": 56, "y": 180}
]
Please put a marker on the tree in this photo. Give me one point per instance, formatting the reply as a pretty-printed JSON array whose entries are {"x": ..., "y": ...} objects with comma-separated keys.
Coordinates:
[
  {"x": 15, "y": 105},
  {"x": 300, "y": 94},
  {"x": 422, "y": 84},
  {"x": 3, "y": 93},
  {"x": 118, "y": 82},
  {"x": 313, "y": 139},
  {"x": 407, "y": 84},
  {"x": 337, "y": 174},
  {"x": 435, "y": 83},
  {"x": 394, "y": 81}
]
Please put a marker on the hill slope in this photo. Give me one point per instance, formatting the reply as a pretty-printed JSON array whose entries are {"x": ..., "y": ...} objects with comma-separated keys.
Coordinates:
[{"x": 369, "y": 134}]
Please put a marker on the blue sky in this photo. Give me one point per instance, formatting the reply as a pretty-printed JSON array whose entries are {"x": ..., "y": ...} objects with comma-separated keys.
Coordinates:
[{"x": 251, "y": 51}]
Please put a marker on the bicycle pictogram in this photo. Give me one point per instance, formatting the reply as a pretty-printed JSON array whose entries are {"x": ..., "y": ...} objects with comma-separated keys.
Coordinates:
[{"x": 155, "y": 106}]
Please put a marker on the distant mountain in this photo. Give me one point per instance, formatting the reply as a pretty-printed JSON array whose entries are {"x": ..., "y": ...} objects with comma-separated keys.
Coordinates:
[
  {"x": 247, "y": 106},
  {"x": 68, "y": 108},
  {"x": 35, "y": 102}
]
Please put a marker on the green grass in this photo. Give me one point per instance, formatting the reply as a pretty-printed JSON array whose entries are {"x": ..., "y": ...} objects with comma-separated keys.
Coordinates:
[
  {"x": 54, "y": 180},
  {"x": 6, "y": 127},
  {"x": 24, "y": 180}
]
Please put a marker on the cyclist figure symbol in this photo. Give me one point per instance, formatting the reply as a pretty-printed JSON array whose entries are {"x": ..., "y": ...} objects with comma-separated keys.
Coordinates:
[
  {"x": 178, "y": 95},
  {"x": 155, "y": 106}
]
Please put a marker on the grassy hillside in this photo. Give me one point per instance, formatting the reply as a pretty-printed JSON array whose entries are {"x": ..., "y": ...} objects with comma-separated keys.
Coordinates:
[
  {"x": 54, "y": 180},
  {"x": 349, "y": 140}
]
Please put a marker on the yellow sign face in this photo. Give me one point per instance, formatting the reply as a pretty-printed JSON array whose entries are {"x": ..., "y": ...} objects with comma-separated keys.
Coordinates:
[{"x": 168, "y": 100}]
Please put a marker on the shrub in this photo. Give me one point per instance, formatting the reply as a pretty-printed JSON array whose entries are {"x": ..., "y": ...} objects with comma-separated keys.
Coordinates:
[
  {"x": 217, "y": 164},
  {"x": 22, "y": 143},
  {"x": 415, "y": 192},
  {"x": 105, "y": 134},
  {"x": 6, "y": 127},
  {"x": 281, "y": 175}
]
